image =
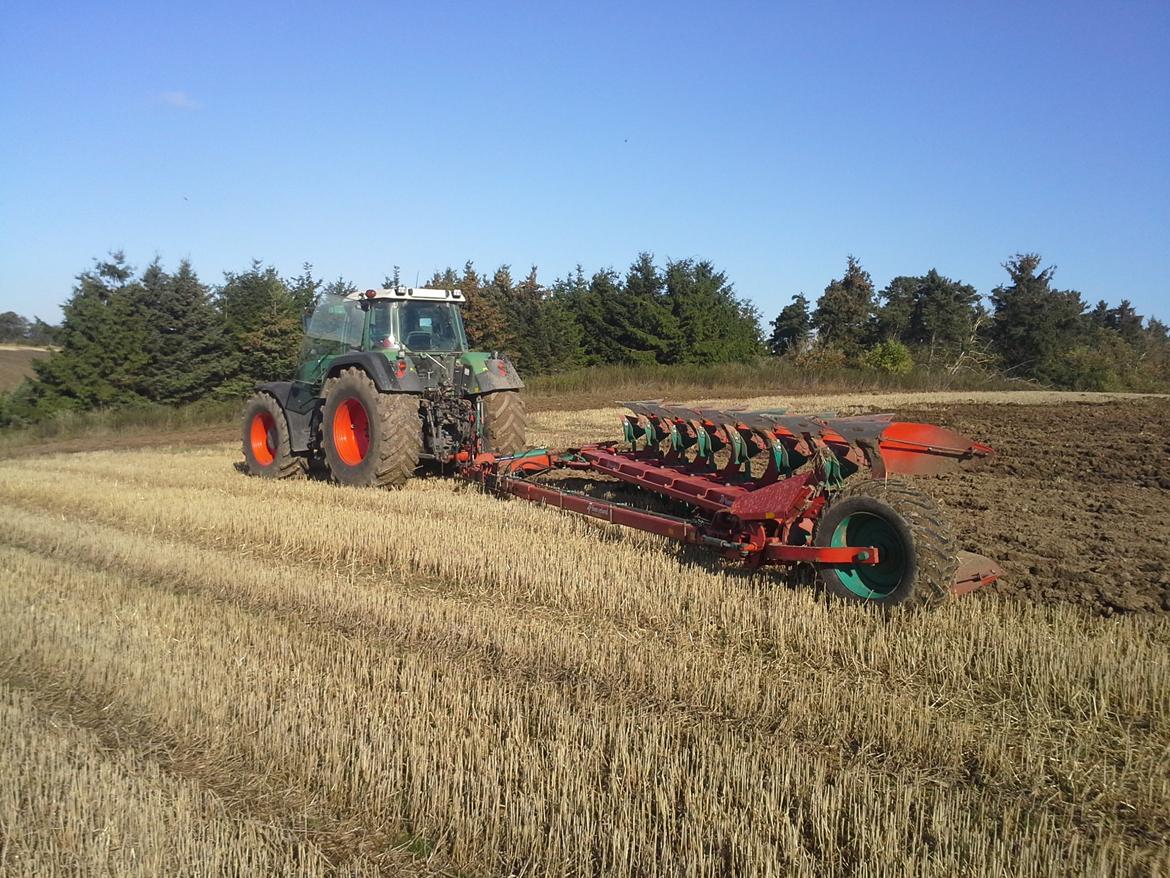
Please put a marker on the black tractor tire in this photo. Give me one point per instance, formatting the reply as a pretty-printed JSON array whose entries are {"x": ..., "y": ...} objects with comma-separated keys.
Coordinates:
[
  {"x": 917, "y": 556},
  {"x": 265, "y": 438},
  {"x": 505, "y": 422},
  {"x": 368, "y": 438}
]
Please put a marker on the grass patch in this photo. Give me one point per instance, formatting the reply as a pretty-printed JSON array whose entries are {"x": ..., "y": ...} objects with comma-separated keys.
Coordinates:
[
  {"x": 580, "y": 389},
  {"x": 586, "y": 388},
  {"x": 122, "y": 421}
]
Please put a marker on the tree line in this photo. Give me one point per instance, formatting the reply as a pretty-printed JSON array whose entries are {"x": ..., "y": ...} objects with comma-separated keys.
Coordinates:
[
  {"x": 164, "y": 337},
  {"x": 1027, "y": 329},
  {"x": 15, "y": 329}
]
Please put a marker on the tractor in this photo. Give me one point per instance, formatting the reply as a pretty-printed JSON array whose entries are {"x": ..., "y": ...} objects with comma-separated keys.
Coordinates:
[{"x": 385, "y": 383}]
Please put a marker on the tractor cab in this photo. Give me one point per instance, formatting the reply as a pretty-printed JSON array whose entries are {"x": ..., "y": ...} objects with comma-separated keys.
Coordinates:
[
  {"x": 393, "y": 322},
  {"x": 417, "y": 325}
]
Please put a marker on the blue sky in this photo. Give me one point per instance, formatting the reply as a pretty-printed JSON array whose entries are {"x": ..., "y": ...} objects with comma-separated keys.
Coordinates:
[{"x": 771, "y": 138}]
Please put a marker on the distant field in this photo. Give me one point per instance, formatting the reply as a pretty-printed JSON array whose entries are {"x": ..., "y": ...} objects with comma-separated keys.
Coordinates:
[
  {"x": 16, "y": 364},
  {"x": 202, "y": 672}
]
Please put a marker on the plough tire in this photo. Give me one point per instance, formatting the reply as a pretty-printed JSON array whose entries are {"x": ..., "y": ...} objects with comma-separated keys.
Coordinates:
[
  {"x": 265, "y": 439},
  {"x": 505, "y": 422},
  {"x": 368, "y": 438},
  {"x": 916, "y": 550}
]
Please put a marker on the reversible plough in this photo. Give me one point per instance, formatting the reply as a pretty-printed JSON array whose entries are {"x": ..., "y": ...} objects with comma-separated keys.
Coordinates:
[{"x": 771, "y": 488}]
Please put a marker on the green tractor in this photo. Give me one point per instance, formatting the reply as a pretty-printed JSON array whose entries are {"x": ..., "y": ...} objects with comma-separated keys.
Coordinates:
[{"x": 385, "y": 383}]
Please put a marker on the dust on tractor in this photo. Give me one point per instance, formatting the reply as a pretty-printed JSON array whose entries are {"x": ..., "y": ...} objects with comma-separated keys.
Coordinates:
[{"x": 386, "y": 384}]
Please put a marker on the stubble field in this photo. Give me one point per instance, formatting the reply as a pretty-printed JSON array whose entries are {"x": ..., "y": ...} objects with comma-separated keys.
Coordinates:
[{"x": 202, "y": 673}]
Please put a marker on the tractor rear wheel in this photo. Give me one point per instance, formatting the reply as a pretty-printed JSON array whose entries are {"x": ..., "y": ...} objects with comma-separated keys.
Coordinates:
[
  {"x": 916, "y": 551},
  {"x": 369, "y": 439},
  {"x": 267, "y": 448},
  {"x": 505, "y": 422}
]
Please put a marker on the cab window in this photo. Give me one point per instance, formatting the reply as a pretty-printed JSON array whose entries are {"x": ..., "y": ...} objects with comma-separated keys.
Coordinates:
[
  {"x": 334, "y": 328},
  {"x": 431, "y": 326}
]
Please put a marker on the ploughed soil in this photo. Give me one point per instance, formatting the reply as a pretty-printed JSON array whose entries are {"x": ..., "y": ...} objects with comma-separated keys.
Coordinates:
[{"x": 1075, "y": 506}]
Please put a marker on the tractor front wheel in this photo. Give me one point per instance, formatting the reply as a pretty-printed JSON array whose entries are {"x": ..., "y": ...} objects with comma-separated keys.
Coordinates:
[
  {"x": 505, "y": 422},
  {"x": 369, "y": 439},
  {"x": 267, "y": 448},
  {"x": 916, "y": 551}
]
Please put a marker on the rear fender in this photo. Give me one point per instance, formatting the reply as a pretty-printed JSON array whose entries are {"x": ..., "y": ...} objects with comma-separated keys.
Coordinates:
[
  {"x": 382, "y": 371},
  {"x": 297, "y": 415},
  {"x": 489, "y": 374}
]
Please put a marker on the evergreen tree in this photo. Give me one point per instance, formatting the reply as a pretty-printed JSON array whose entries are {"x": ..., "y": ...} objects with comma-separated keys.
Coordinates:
[
  {"x": 184, "y": 341},
  {"x": 262, "y": 322},
  {"x": 572, "y": 292},
  {"x": 1126, "y": 321},
  {"x": 487, "y": 328},
  {"x": 447, "y": 279},
  {"x": 898, "y": 303},
  {"x": 340, "y": 287},
  {"x": 1035, "y": 326},
  {"x": 304, "y": 290},
  {"x": 102, "y": 337},
  {"x": 546, "y": 334},
  {"x": 944, "y": 314},
  {"x": 715, "y": 325},
  {"x": 522, "y": 306},
  {"x": 594, "y": 308},
  {"x": 930, "y": 311},
  {"x": 501, "y": 295},
  {"x": 843, "y": 313},
  {"x": 560, "y": 334},
  {"x": 641, "y": 316},
  {"x": 791, "y": 328},
  {"x": 1099, "y": 316}
]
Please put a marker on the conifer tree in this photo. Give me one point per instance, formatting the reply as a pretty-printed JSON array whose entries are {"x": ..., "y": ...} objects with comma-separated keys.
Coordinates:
[
  {"x": 715, "y": 326},
  {"x": 263, "y": 330},
  {"x": 483, "y": 319},
  {"x": 184, "y": 340},
  {"x": 522, "y": 305},
  {"x": 931, "y": 312},
  {"x": 102, "y": 355},
  {"x": 1034, "y": 326},
  {"x": 791, "y": 328},
  {"x": 843, "y": 312},
  {"x": 305, "y": 290}
]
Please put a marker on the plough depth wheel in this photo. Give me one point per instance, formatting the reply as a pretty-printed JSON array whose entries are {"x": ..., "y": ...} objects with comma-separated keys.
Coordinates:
[{"x": 917, "y": 559}]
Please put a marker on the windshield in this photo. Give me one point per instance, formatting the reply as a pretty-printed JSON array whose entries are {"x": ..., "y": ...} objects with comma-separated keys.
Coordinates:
[{"x": 419, "y": 326}]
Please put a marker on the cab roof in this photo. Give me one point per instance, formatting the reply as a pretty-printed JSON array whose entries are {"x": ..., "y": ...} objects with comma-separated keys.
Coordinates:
[{"x": 424, "y": 293}]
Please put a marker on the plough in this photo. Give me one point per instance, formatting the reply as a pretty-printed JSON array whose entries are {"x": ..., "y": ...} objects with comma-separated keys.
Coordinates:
[{"x": 771, "y": 488}]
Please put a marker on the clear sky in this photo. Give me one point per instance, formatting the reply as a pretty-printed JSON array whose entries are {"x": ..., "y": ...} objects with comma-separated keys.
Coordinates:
[{"x": 771, "y": 138}]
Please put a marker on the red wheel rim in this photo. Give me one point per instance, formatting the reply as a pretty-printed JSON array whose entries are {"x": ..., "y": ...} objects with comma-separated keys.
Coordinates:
[
  {"x": 262, "y": 437},
  {"x": 351, "y": 432}
]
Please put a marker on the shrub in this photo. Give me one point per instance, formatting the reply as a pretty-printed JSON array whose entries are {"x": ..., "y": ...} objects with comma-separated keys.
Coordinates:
[{"x": 891, "y": 357}]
